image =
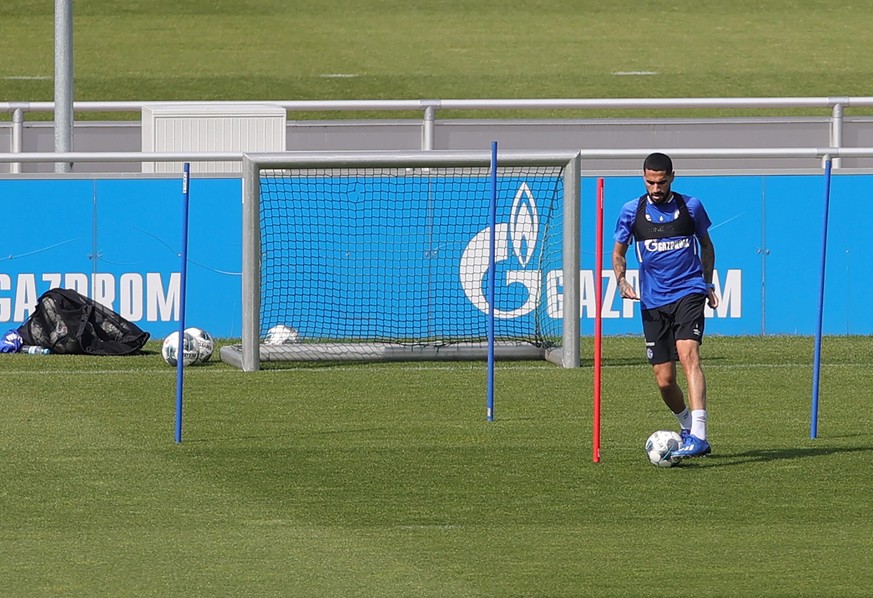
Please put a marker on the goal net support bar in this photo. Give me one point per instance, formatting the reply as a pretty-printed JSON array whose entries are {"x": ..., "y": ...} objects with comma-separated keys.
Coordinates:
[{"x": 314, "y": 225}]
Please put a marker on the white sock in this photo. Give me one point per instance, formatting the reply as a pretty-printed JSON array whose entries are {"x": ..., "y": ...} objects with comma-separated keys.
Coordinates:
[
  {"x": 684, "y": 418},
  {"x": 698, "y": 423}
]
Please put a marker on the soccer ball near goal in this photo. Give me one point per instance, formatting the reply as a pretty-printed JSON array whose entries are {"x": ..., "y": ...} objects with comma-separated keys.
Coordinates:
[
  {"x": 281, "y": 335},
  {"x": 660, "y": 447},
  {"x": 205, "y": 344},
  {"x": 170, "y": 349}
]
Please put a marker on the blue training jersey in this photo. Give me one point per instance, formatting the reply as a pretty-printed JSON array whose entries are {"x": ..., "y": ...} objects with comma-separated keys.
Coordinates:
[{"x": 670, "y": 268}]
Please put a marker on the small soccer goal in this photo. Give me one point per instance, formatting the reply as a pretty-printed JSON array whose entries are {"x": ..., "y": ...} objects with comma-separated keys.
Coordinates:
[{"x": 385, "y": 256}]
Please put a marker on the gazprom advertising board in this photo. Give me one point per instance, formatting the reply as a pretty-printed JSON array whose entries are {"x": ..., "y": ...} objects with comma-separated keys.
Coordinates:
[
  {"x": 118, "y": 240},
  {"x": 407, "y": 257}
]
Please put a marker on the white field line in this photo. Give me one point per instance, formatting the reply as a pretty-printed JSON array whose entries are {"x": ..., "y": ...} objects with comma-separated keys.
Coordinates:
[{"x": 413, "y": 368}]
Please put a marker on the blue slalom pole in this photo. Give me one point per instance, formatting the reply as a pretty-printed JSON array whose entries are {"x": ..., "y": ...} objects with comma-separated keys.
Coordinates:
[
  {"x": 180, "y": 353},
  {"x": 816, "y": 362},
  {"x": 492, "y": 279}
]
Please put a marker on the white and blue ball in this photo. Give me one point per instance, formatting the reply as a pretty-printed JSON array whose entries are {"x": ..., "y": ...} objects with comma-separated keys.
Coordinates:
[
  {"x": 660, "y": 448},
  {"x": 205, "y": 344},
  {"x": 170, "y": 349},
  {"x": 282, "y": 335}
]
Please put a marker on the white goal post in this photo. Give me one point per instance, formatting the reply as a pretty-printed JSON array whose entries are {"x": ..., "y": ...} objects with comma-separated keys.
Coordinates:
[{"x": 377, "y": 256}]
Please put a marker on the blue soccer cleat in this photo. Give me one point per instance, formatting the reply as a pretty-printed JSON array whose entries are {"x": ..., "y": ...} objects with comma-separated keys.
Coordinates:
[
  {"x": 684, "y": 433},
  {"x": 692, "y": 446}
]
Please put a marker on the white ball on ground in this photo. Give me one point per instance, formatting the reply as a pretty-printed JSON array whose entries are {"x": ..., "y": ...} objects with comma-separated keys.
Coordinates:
[
  {"x": 170, "y": 349},
  {"x": 660, "y": 447},
  {"x": 205, "y": 344},
  {"x": 281, "y": 335}
]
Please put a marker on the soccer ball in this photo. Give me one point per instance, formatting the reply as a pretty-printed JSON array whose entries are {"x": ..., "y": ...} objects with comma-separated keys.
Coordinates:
[
  {"x": 205, "y": 344},
  {"x": 170, "y": 349},
  {"x": 660, "y": 448},
  {"x": 281, "y": 335}
]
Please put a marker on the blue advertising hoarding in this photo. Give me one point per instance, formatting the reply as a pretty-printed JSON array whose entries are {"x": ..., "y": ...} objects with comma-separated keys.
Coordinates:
[
  {"x": 391, "y": 258},
  {"x": 118, "y": 241}
]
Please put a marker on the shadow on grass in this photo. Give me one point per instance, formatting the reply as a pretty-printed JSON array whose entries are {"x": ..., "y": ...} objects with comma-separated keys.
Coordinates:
[{"x": 764, "y": 455}]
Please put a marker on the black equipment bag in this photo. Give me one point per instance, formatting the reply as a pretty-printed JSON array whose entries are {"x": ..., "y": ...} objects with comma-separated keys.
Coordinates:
[{"x": 67, "y": 322}]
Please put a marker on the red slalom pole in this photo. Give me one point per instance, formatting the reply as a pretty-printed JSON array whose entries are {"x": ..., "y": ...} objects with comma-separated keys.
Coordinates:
[{"x": 598, "y": 320}]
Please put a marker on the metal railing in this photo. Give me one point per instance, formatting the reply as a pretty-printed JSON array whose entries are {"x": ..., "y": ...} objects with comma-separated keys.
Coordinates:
[
  {"x": 821, "y": 153},
  {"x": 429, "y": 108}
]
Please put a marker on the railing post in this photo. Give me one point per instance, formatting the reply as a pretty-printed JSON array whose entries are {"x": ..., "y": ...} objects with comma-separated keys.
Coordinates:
[
  {"x": 63, "y": 81},
  {"x": 428, "y": 124},
  {"x": 16, "y": 142},
  {"x": 837, "y": 131}
]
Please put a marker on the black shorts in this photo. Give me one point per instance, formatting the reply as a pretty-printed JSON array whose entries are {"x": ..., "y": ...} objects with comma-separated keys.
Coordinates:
[{"x": 663, "y": 326}]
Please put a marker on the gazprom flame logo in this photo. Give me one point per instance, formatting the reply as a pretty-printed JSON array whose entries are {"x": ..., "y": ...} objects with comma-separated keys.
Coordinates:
[
  {"x": 520, "y": 234},
  {"x": 524, "y": 226}
]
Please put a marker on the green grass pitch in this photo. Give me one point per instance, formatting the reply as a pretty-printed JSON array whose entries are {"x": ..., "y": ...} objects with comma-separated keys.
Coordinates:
[
  {"x": 390, "y": 49},
  {"x": 387, "y": 480}
]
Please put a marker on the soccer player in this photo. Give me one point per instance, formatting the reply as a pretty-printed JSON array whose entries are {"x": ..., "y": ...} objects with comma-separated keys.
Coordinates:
[{"x": 676, "y": 258}]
